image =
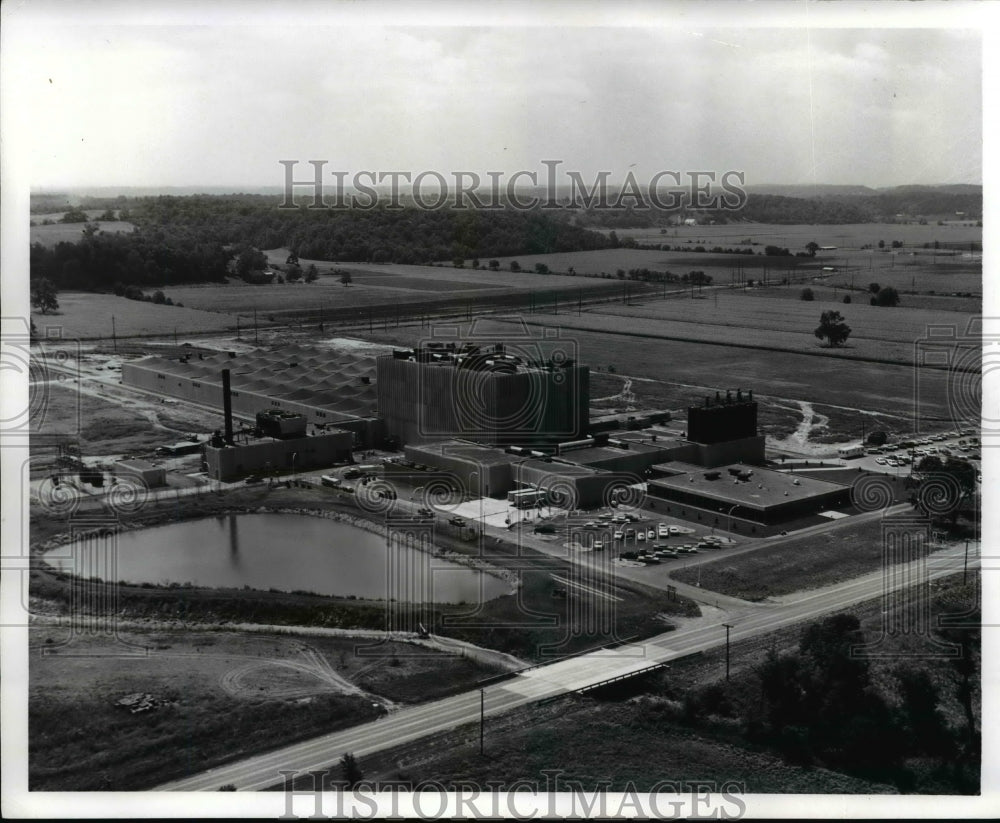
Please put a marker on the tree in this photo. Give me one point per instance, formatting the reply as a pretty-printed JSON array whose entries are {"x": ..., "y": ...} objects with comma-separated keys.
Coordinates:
[
  {"x": 159, "y": 298},
  {"x": 878, "y": 438},
  {"x": 833, "y": 328},
  {"x": 294, "y": 273},
  {"x": 812, "y": 247},
  {"x": 847, "y": 298},
  {"x": 494, "y": 265},
  {"x": 515, "y": 266},
  {"x": 807, "y": 294},
  {"x": 312, "y": 273},
  {"x": 350, "y": 770},
  {"x": 881, "y": 244},
  {"x": 541, "y": 268},
  {"x": 874, "y": 288},
  {"x": 43, "y": 295},
  {"x": 886, "y": 297},
  {"x": 345, "y": 278}
]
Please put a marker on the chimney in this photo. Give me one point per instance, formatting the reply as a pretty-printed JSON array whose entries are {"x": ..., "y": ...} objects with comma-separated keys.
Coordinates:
[{"x": 227, "y": 407}]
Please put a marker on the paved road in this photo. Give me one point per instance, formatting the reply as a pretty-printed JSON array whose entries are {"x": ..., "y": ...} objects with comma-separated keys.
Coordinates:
[{"x": 549, "y": 680}]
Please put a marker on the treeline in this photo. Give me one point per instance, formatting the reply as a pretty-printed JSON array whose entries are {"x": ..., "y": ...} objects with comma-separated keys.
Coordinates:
[
  {"x": 191, "y": 239},
  {"x": 826, "y": 704},
  {"x": 379, "y": 235},
  {"x": 108, "y": 261},
  {"x": 780, "y": 209}
]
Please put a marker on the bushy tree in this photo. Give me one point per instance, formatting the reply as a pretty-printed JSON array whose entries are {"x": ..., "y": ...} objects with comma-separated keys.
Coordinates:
[
  {"x": 43, "y": 295},
  {"x": 886, "y": 297},
  {"x": 833, "y": 328},
  {"x": 807, "y": 294}
]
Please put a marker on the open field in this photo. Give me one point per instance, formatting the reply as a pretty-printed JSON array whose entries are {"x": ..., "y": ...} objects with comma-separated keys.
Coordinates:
[
  {"x": 87, "y": 315},
  {"x": 745, "y": 319},
  {"x": 388, "y": 286},
  {"x": 221, "y": 694},
  {"x": 824, "y": 291},
  {"x": 49, "y": 236},
  {"x": 796, "y": 564},
  {"x": 794, "y": 238}
]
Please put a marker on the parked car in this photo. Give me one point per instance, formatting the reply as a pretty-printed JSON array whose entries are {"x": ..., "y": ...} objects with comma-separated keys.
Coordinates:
[{"x": 663, "y": 530}]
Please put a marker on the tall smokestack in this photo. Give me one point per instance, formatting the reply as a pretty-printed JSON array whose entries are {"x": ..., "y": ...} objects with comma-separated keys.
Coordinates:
[{"x": 227, "y": 406}]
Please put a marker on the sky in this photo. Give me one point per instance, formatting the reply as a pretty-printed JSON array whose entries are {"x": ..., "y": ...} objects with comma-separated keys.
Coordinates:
[{"x": 120, "y": 99}]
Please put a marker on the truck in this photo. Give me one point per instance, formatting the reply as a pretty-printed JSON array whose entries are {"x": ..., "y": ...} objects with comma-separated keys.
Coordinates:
[{"x": 846, "y": 452}]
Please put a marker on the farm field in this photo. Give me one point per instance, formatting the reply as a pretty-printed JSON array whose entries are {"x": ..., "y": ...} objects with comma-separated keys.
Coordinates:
[
  {"x": 795, "y": 237},
  {"x": 219, "y": 695},
  {"x": 744, "y": 318},
  {"x": 87, "y": 315},
  {"x": 824, "y": 291},
  {"x": 384, "y": 285},
  {"x": 49, "y": 236},
  {"x": 465, "y": 277}
]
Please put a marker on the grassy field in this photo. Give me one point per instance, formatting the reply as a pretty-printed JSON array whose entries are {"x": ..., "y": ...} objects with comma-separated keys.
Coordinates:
[
  {"x": 224, "y": 695},
  {"x": 795, "y": 238},
  {"x": 746, "y": 319},
  {"x": 49, "y": 236},
  {"x": 86, "y": 316},
  {"x": 386, "y": 285},
  {"x": 805, "y": 563}
]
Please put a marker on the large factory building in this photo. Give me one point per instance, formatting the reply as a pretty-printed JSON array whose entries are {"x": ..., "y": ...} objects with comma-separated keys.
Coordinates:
[{"x": 488, "y": 396}]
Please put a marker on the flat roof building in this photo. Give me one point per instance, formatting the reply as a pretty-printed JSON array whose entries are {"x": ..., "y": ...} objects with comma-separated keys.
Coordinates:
[{"x": 749, "y": 493}]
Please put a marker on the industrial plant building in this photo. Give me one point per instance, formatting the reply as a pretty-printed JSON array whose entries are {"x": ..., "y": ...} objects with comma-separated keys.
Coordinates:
[
  {"x": 483, "y": 421},
  {"x": 273, "y": 456},
  {"x": 486, "y": 395}
]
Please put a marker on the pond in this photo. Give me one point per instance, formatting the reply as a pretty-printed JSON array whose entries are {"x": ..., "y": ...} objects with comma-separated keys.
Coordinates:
[{"x": 287, "y": 552}]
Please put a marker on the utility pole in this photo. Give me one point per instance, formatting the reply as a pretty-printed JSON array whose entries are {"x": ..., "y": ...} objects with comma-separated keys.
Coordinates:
[
  {"x": 482, "y": 719},
  {"x": 114, "y": 338},
  {"x": 965, "y": 567},
  {"x": 728, "y": 627}
]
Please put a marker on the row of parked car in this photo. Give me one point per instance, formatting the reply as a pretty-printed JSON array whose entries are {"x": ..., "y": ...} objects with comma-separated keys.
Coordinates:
[{"x": 657, "y": 553}]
